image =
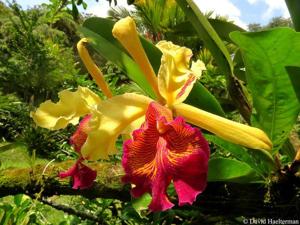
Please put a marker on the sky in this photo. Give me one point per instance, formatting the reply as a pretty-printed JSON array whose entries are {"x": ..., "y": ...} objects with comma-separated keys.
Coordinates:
[{"x": 242, "y": 12}]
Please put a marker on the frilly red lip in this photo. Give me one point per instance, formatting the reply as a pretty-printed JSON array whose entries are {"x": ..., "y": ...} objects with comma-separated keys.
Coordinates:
[{"x": 152, "y": 159}]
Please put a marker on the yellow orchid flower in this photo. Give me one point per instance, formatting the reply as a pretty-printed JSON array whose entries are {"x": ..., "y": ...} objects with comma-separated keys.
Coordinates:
[
  {"x": 172, "y": 85},
  {"x": 114, "y": 116},
  {"x": 163, "y": 148}
]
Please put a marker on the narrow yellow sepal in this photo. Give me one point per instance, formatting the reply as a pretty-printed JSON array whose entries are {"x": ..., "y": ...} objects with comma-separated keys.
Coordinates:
[
  {"x": 112, "y": 117},
  {"x": 237, "y": 133},
  {"x": 92, "y": 67},
  {"x": 125, "y": 32},
  {"x": 70, "y": 107},
  {"x": 175, "y": 77}
]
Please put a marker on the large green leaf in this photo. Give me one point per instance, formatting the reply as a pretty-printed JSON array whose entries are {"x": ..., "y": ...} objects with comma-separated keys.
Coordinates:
[
  {"x": 294, "y": 73},
  {"x": 259, "y": 160},
  {"x": 118, "y": 57},
  {"x": 231, "y": 170},
  {"x": 294, "y": 9},
  {"x": 201, "y": 98},
  {"x": 209, "y": 36},
  {"x": 266, "y": 54},
  {"x": 223, "y": 29}
]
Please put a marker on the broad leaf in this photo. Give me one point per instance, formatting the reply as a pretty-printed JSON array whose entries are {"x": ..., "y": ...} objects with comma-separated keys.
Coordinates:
[
  {"x": 266, "y": 54},
  {"x": 294, "y": 73},
  {"x": 201, "y": 98},
  {"x": 230, "y": 170},
  {"x": 261, "y": 161}
]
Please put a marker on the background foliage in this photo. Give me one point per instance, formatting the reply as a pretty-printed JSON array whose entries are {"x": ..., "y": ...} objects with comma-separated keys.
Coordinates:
[{"x": 38, "y": 58}]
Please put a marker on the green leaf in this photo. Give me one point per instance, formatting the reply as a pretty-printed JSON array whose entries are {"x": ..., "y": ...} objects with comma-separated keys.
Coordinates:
[
  {"x": 266, "y": 54},
  {"x": 259, "y": 160},
  {"x": 294, "y": 9},
  {"x": 141, "y": 203},
  {"x": 201, "y": 98},
  {"x": 294, "y": 73},
  {"x": 209, "y": 36},
  {"x": 118, "y": 57},
  {"x": 230, "y": 170},
  {"x": 223, "y": 29}
]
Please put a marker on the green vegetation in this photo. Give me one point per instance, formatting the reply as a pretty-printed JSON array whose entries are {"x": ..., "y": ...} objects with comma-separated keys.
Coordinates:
[{"x": 247, "y": 80}]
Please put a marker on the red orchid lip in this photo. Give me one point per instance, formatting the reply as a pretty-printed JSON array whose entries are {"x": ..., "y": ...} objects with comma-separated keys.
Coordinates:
[{"x": 152, "y": 159}]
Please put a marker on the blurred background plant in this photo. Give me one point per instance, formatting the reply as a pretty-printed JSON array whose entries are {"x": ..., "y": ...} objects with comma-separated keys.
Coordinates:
[{"x": 38, "y": 58}]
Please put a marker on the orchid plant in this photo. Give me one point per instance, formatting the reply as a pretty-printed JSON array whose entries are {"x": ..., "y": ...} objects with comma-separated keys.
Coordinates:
[{"x": 164, "y": 142}]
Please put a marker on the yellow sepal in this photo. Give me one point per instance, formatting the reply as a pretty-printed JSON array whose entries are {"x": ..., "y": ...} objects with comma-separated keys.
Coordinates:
[
  {"x": 70, "y": 107},
  {"x": 237, "y": 133},
  {"x": 175, "y": 78},
  {"x": 125, "y": 32},
  {"x": 92, "y": 67},
  {"x": 112, "y": 117}
]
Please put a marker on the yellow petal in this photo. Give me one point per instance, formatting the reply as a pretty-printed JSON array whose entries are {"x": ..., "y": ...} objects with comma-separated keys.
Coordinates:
[
  {"x": 237, "y": 133},
  {"x": 108, "y": 122},
  {"x": 70, "y": 107},
  {"x": 125, "y": 31},
  {"x": 175, "y": 79}
]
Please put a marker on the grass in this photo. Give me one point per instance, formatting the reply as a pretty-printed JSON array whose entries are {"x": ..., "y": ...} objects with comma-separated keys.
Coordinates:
[{"x": 16, "y": 155}]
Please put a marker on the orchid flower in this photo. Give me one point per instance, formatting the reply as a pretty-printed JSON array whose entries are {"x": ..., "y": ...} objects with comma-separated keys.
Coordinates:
[{"x": 163, "y": 147}]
